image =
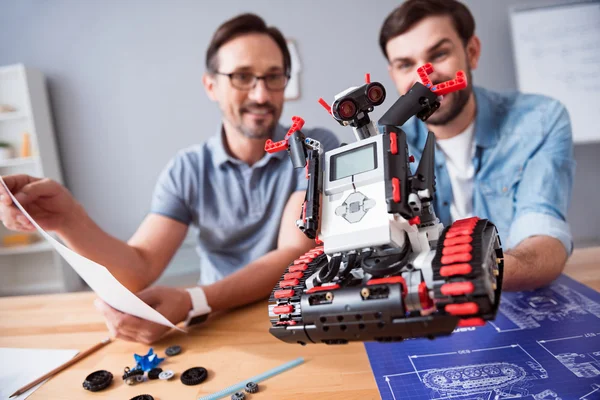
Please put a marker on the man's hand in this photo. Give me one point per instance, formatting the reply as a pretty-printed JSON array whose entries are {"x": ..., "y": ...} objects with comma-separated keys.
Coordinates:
[
  {"x": 173, "y": 303},
  {"x": 49, "y": 203},
  {"x": 534, "y": 263}
]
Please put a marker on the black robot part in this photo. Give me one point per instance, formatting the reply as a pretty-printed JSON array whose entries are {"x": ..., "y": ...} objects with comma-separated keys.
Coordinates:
[
  {"x": 424, "y": 178},
  {"x": 297, "y": 149},
  {"x": 97, "y": 381},
  {"x": 251, "y": 387},
  {"x": 128, "y": 373},
  {"x": 154, "y": 373},
  {"x": 238, "y": 396},
  {"x": 375, "y": 309},
  {"x": 194, "y": 376},
  {"x": 304, "y": 156},
  {"x": 419, "y": 101},
  {"x": 173, "y": 350},
  {"x": 354, "y": 107}
]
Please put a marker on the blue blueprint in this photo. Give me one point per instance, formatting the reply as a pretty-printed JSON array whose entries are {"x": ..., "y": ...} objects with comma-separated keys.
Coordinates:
[{"x": 544, "y": 344}]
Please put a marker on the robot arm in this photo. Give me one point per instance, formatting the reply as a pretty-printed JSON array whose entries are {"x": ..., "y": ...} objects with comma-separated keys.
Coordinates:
[
  {"x": 405, "y": 192},
  {"x": 304, "y": 152}
]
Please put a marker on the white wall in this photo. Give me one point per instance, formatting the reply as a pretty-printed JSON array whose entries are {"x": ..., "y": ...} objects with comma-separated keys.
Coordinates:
[{"x": 124, "y": 79}]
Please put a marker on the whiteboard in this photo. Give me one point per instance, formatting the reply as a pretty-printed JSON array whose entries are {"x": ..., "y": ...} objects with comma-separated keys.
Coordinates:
[{"x": 557, "y": 53}]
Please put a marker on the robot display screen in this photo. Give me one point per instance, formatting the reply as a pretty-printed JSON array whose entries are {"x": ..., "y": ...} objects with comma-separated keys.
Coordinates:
[{"x": 356, "y": 161}]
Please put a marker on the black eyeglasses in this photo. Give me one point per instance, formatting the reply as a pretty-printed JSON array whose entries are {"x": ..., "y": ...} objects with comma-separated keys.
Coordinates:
[{"x": 247, "y": 81}]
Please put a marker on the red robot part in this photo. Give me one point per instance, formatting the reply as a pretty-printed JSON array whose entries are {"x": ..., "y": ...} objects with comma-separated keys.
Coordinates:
[
  {"x": 325, "y": 105},
  {"x": 274, "y": 147},
  {"x": 460, "y": 82}
]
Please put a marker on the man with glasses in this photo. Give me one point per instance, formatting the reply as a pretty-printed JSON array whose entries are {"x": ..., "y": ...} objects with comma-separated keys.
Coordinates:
[{"x": 244, "y": 201}]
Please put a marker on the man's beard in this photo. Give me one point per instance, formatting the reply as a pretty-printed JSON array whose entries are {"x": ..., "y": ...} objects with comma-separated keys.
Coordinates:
[
  {"x": 457, "y": 101},
  {"x": 260, "y": 131}
]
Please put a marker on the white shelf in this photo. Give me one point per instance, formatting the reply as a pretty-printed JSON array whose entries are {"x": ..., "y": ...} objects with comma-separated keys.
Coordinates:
[
  {"x": 31, "y": 268},
  {"x": 26, "y": 249},
  {"x": 14, "y": 162},
  {"x": 9, "y": 116}
]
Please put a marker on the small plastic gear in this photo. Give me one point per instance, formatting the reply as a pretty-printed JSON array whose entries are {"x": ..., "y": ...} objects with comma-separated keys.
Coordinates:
[
  {"x": 130, "y": 373},
  {"x": 251, "y": 387},
  {"x": 238, "y": 396},
  {"x": 97, "y": 381},
  {"x": 194, "y": 376},
  {"x": 173, "y": 350},
  {"x": 154, "y": 373},
  {"x": 166, "y": 375}
]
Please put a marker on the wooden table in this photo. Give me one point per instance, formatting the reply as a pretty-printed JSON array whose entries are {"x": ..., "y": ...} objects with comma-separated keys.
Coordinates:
[{"x": 233, "y": 347}]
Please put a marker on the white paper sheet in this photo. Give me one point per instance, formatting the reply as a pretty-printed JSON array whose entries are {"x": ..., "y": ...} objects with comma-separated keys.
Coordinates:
[
  {"x": 106, "y": 286},
  {"x": 19, "y": 367}
]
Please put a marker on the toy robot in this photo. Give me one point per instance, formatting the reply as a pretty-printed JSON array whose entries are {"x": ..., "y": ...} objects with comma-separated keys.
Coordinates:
[{"x": 387, "y": 269}]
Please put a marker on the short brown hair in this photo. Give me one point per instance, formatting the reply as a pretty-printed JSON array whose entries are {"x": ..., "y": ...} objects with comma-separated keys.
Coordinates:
[
  {"x": 242, "y": 25},
  {"x": 413, "y": 11}
]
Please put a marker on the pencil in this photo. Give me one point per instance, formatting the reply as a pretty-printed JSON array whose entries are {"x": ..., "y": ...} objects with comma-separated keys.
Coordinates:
[{"x": 61, "y": 367}]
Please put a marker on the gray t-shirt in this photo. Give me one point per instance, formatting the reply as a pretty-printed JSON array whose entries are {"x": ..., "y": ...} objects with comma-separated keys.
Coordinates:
[{"x": 237, "y": 208}]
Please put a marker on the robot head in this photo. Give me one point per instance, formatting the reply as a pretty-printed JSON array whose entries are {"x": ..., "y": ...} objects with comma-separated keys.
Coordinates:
[{"x": 352, "y": 106}]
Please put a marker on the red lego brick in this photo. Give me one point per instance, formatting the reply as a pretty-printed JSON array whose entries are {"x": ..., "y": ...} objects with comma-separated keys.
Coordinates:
[
  {"x": 468, "y": 221},
  {"x": 424, "y": 72},
  {"x": 274, "y": 147},
  {"x": 283, "y": 309},
  {"x": 458, "y": 83},
  {"x": 459, "y": 248},
  {"x": 458, "y": 240},
  {"x": 456, "y": 269},
  {"x": 393, "y": 143},
  {"x": 455, "y": 258},
  {"x": 322, "y": 288},
  {"x": 457, "y": 288},
  {"x": 470, "y": 322},
  {"x": 414, "y": 221},
  {"x": 293, "y": 275},
  {"x": 297, "y": 124},
  {"x": 426, "y": 301},
  {"x": 396, "y": 189},
  {"x": 460, "y": 232},
  {"x": 283, "y": 294},
  {"x": 325, "y": 105},
  {"x": 289, "y": 283},
  {"x": 462, "y": 309}
]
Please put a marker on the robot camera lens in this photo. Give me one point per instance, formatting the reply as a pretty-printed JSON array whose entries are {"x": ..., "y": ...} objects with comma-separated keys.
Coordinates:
[
  {"x": 376, "y": 94},
  {"x": 347, "y": 109}
]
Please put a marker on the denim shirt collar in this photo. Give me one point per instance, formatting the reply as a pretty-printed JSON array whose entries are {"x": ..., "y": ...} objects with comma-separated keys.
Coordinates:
[
  {"x": 486, "y": 119},
  {"x": 486, "y": 122}
]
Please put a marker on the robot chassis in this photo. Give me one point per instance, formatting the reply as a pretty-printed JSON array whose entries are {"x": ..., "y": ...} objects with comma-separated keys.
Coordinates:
[{"x": 386, "y": 268}]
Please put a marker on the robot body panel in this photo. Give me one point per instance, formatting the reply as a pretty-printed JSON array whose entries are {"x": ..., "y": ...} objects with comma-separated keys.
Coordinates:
[{"x": 354, "y": 214}]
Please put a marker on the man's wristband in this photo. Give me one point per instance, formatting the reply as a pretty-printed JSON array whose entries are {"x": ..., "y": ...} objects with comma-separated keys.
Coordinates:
[{"x": 200, "y": 308}]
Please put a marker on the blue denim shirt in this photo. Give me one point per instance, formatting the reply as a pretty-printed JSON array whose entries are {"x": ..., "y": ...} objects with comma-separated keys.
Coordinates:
[{"x": 524, "y": 166}]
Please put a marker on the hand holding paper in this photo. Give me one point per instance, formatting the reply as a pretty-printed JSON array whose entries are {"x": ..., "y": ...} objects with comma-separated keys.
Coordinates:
[{"x": 99, "y": 278}]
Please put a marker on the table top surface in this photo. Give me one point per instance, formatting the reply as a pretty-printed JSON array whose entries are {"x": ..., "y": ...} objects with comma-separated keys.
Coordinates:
[{"x": 232, "y": 347}]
